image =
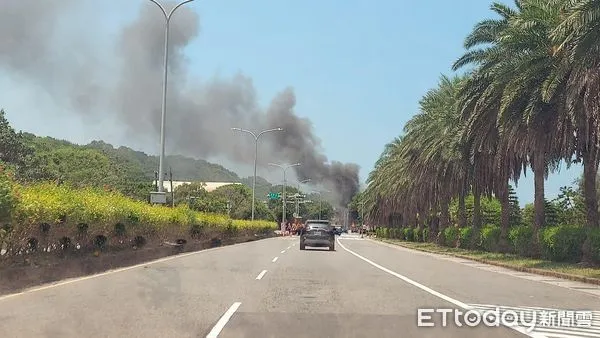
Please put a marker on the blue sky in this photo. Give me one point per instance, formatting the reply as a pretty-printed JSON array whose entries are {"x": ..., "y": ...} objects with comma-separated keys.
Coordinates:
[{"x": 358, "y": 67}]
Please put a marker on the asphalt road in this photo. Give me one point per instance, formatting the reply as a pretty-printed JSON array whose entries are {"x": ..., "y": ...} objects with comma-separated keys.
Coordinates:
[{"x": 270, "y": 288}]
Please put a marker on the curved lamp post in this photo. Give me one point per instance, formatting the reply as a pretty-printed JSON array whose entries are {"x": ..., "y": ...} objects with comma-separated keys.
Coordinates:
[
  {"x": 284, "y": 168},
  {"x": 161, "y": 161},
  {"x": 256, "y": 137},
  {"x": 320, "y": 199}
]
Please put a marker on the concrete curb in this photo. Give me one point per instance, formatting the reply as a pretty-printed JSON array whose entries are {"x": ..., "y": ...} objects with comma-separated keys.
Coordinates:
[{"x": 575, "y": 278}]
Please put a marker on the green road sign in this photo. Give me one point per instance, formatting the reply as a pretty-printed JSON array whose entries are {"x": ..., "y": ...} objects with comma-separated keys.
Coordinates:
[{"x": 274, "y": 195}]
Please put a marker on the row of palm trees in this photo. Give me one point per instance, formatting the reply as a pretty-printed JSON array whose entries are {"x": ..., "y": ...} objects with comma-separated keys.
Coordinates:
[{"x": 530, "y": 98}]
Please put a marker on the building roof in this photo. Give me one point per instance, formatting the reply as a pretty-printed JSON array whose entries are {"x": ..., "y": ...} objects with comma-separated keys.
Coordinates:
[{"x": 209, "y": 186}]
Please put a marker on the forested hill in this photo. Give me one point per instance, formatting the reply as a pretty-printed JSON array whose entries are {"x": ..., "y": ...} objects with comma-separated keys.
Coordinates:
[
  {"x": 184, "y": 168},
  {"x": 101, "y": 164}
]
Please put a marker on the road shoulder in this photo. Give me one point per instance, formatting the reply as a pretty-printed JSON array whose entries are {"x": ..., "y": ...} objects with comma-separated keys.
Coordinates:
[{"x": 579, "y": 283}]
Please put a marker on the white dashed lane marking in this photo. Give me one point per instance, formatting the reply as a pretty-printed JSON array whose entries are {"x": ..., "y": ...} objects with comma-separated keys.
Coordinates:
[
  {"x": 261, "y": 275},
  {"x": 214, "y": 333}
]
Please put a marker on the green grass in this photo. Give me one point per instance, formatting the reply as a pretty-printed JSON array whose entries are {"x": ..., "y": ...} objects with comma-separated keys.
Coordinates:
[{"x": 507, "y": 259}]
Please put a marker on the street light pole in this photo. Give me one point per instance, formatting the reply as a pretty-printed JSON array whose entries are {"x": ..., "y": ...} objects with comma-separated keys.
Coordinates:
[
  {"x": 297, "y": 202},
  {"x": 284, "y": 168},
  {"x": 161, "y": 161},
  {"x": 321, "y": 200},
  {"x": 256, "y": 137},
  {"x": 320, "y": 203},
  {"x": 302, "y": 182}
]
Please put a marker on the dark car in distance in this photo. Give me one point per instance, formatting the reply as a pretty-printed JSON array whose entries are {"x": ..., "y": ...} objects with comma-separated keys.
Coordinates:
[{"x": 317, "y": 233}]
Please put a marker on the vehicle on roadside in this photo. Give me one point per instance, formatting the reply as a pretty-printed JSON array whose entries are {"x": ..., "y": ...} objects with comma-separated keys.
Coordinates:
[
  {"x": 338, "y": 230},
  {"x": 317, "y": 233}
]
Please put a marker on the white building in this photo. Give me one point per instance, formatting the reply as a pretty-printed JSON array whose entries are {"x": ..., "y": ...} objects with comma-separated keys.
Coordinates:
[{"x": 209, "y": 186}]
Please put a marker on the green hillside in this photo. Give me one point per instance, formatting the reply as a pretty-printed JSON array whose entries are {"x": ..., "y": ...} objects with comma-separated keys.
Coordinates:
[
  {"x": 184, "y": 168},
  {"x": 263, "y": 187},
  {"x": 101, "y": 164}
]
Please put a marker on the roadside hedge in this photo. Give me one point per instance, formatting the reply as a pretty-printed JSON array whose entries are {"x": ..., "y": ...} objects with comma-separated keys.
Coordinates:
[
  {"x": 561, "y": 243},
  {"x": 46, "y": 214}
]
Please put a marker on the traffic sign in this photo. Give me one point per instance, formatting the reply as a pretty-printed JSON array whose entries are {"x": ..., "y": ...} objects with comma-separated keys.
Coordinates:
[{"x": 274, "y": 195}]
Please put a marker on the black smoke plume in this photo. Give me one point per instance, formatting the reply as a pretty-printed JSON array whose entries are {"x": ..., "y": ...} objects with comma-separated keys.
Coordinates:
[{"x": 44, "y": 44}]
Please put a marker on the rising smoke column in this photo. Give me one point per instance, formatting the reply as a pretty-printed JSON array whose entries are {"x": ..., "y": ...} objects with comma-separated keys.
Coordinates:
[
  {"x": 43, "y": 48},
  {"x": 299, "y": 144}
]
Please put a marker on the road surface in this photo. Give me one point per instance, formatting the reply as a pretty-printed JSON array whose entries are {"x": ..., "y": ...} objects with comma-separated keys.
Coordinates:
[{"x": 270, "y": 288}]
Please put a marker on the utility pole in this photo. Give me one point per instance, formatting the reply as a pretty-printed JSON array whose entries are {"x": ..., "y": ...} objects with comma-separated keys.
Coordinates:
[
  {"x": 320, "y": 200},
  {"x": 362, "y": 212},
  {"x": 171, "y": 182},
  {"x": 298, "y": 197},
  {"x": 172, "y": 190},
  {"x": 156, "y": 180},
  {"x": 284, "y": 168}
]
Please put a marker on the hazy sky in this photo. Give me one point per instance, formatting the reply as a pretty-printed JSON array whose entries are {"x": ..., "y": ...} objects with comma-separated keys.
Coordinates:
[{"x": 358, "y": 68}]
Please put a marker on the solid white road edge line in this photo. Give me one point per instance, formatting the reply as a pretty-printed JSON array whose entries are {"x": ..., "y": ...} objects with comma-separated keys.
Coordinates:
[
  {"x": 261, "y": 275},
  {"x": 274, "y": 259},
  {"x": 127, "y": 268},
  {"x": 214, "y": 333},
  {"x": 431, "y": 291}
]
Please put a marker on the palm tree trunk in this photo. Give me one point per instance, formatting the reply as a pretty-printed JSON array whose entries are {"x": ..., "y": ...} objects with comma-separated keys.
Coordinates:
[
  {"x": 444, "y": 221},
  {"x": 462, "y": 210},
  {"x": 539, "y": 165},
  {"x": 415, "y": 224},
  {"x": 590, "y": 172},
  {"x": 476, "y": 207},
  {"x": 504, "y": 215},
  {"x": 433, "y": 229},
  {"x": 420, "y": 226}
]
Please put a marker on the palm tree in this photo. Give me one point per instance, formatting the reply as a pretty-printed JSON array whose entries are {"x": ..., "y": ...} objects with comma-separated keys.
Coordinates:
[
  {"x": 578, "y": 37},
  {"x": 442, "y": 153},
  {"x": 377, "y": 196},
  {"x": 495, "y": 162},
  {"x": 530, "y": 122},
  {"x": 425, "y": 166},
  {"x": 578, "y": 41}
]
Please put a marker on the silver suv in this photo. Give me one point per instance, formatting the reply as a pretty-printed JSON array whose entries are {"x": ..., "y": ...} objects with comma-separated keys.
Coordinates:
[{"x": 317, "y": 233}]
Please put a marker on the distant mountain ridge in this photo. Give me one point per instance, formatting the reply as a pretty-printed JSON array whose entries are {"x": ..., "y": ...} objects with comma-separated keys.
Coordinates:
[
  {"x": 184, "y": 168},
  {"x": 139, "y": 166}
]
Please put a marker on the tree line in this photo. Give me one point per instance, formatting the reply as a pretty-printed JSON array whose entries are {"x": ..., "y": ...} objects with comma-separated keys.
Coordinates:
[
  {"x": 529, "y": 98},
  {"x": 235, "y": 200}
]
